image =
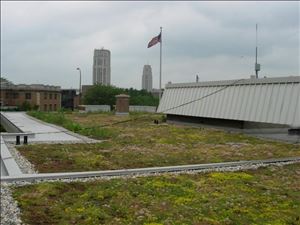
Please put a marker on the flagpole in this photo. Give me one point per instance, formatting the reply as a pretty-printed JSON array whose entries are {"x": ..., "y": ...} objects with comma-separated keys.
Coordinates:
[{"x": 160, "y": 64}]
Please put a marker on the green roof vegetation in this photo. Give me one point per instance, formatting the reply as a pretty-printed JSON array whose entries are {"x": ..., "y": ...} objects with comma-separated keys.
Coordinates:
[
  {"x": 265, "y": 196},
  {"x": 141, "y": 143}
]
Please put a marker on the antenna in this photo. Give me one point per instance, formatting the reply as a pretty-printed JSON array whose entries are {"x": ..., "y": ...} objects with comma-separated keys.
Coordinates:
[{"x": 257, "y": 66}]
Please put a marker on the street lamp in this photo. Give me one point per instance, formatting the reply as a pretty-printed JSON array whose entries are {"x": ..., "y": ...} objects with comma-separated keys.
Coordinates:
[{"x": 79, "y": 80}]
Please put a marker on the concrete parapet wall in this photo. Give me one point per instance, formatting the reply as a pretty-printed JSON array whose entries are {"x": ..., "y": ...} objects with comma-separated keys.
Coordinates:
[
  {"x": 8, "y": 126},
  {"x": 106, "y": 108},
  {"x": 96, "y": 108},
  {"x": 142, "y": 108}
]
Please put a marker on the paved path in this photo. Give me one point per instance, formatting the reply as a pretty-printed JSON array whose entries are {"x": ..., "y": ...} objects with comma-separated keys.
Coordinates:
[{"x": 43, "y": 132}]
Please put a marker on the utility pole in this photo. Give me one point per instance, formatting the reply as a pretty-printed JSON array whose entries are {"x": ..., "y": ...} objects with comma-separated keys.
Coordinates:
[
  {"x": 79, "y": 94},
  {"x": 257, "y": 66},
  {"x": 79, "y": 80}
]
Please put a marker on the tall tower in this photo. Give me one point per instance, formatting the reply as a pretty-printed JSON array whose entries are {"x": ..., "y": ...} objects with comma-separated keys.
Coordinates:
[
  {"x": 101, "y": 67},
  {"x": 147, "y": 78}
]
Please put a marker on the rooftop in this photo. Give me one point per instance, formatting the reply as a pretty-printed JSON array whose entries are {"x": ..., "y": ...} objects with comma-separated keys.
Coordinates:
[{"x": 41, "y": 87}]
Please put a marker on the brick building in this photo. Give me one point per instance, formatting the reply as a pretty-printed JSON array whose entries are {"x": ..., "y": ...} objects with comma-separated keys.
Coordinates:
[{"x": 40, "y": 97}]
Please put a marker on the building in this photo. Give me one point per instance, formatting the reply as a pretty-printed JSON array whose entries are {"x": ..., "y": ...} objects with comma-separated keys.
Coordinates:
[
  {"x": 37, "y": 96},
  {"x": 101, "y": 67},
  {"x": 155, "y": 92},
  {"x": 244, "y": 103},
  {"x": 69, "y": 99},
  {"x": 147, "y": 78}
]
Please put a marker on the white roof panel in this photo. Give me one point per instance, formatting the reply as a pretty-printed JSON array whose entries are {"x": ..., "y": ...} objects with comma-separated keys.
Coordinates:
[{"x": 266, "y": 100}]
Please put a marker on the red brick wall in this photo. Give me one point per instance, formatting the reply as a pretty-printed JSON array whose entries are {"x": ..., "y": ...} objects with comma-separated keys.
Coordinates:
[
  {"x": 122, "y": 104},
  {"x": 18, "y": 97}
]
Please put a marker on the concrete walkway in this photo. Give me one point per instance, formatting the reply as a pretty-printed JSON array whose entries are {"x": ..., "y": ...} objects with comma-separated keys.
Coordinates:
[
  {"x": 43, "y": 132},
  {"x": 8, "y": 165}
]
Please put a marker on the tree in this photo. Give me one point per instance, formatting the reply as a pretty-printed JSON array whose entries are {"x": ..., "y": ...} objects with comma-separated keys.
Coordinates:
[
  {"x": 101, "y": 95},
  {"x": 105, "y": 95},
  {"x": 25, "y": 106}
]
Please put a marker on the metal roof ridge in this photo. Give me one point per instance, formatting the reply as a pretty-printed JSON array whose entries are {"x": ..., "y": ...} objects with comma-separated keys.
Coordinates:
[{"x": 247, "y": 81}]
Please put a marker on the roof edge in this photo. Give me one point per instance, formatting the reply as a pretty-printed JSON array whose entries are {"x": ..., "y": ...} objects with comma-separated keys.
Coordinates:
[{"x": 251, "y": 81}]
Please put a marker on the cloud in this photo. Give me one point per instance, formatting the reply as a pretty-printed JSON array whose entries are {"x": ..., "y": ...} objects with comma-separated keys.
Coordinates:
[{"x": 45, "y": 41}]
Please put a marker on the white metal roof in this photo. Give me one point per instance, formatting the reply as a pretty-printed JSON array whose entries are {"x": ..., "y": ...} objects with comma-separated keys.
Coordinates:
[{"x": 266, "y": 100}]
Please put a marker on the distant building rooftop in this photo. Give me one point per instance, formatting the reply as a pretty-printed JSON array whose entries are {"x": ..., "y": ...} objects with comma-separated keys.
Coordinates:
[{"x": 36, "y": 87}]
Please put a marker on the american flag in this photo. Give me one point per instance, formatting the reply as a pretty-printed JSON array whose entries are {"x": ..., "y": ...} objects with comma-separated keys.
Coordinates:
[{"x": 154, "y": 41}]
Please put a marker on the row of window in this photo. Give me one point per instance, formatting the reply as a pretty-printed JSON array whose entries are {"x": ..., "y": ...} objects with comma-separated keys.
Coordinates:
[
  {"x": 101, "y": 62},
  {"x": 49, "y": 95},
  {"x": 101, "y": 77},
  {"x": 15, "y": 95},
  {"x": 49, "y": 107},
  {"x": 101, "y": 54}
]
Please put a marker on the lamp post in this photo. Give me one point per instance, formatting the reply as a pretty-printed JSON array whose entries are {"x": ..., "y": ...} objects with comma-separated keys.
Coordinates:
[
  {"x": 79, "y": 80},
  {"x": 79, "y": 95}
]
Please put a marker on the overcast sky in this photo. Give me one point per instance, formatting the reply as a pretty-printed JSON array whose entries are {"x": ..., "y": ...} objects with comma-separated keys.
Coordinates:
[{"x": 44, "y": 42}]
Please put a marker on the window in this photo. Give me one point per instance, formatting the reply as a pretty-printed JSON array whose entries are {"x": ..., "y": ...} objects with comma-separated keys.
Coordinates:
[
  {"x": 45, "y": 95},
  {"x": 54, "y": 107},
  {"x": 27, "y": 95},
  {"x": 50, "y": 96},
  {"x": 7, "y": 95},
  {"x": 45, "y": 107},
  {"x": 55, "y": 96},
  {"x": 15, "y": 95},
  {"x": 50, "y": 107}
]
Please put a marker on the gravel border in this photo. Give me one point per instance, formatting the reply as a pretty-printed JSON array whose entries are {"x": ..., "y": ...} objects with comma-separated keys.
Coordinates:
[
  {"x": 24, "y": 165},
  {"x": 220, "y": 169}
]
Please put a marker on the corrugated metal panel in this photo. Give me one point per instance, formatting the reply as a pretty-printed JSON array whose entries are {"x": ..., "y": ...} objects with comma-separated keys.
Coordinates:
[
  {"x": 287, "y": 102},
  {"x": 233, "y": 111},
  {"x": 293, "y": 97},
  {"x": 269, "y": 100},
  {"x": 297, "y": 111}
]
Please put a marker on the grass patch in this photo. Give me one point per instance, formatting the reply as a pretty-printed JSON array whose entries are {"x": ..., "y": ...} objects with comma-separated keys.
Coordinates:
[
  {"x": 265, "y": 196},
  {"x": 60, "y": 118},
  {"x": 114, "y": 155},
  {"x": 141, "y": 143}
]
